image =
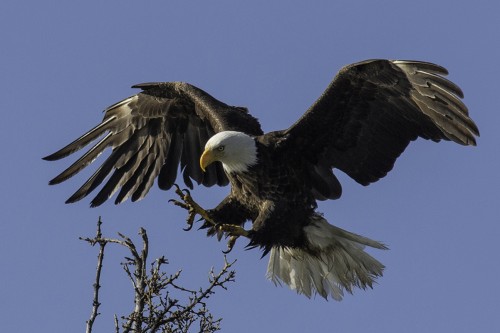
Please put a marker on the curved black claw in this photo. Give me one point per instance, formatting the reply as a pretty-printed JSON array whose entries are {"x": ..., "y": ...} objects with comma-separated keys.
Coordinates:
[
  {"x": 230, "y": 244},
  {"x": 189, "y": 227},
  {"x": 177, "y": 188}
]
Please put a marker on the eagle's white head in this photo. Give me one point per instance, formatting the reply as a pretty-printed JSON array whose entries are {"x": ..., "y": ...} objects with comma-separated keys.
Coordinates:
[{"x": 236, "y": 151}]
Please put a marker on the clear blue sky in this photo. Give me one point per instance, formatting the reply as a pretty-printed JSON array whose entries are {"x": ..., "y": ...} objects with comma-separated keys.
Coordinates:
[{"x": 63, "y": 62}]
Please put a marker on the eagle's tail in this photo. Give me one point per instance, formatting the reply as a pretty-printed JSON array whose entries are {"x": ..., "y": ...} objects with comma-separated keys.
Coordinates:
[{"x": 332, "y": 261}]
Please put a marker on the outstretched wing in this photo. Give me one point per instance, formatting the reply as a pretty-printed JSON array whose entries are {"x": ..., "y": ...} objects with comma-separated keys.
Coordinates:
[
  {"x": 150, "y": 134},
  {"x": 373, "y": 109}
]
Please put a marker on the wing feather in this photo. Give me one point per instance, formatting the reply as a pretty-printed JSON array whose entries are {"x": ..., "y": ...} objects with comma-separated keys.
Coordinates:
[
  {"x": 136, "y": 176},
  {"x": 168, "y": 173},
  {"x": 82, "y": 141},
  {"x": 142, "y": 150},
  {"x": 83, "y": 161}
]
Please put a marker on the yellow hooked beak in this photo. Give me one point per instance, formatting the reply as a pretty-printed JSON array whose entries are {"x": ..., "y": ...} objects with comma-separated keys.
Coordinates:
[{"x": 206, "y": 159}]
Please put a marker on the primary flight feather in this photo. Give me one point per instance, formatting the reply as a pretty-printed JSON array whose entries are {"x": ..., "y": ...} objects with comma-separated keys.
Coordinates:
[{"x": 360, "y": 124}]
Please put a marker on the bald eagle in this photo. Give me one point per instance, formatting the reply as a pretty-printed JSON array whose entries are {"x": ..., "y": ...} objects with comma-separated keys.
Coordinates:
[{"x": 360, "y": 125}]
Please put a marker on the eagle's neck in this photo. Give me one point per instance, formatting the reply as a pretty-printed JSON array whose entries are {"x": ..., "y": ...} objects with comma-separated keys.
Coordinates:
[
  {"x": 241, "y": 153},
  {"x": 242, "y": 162}
]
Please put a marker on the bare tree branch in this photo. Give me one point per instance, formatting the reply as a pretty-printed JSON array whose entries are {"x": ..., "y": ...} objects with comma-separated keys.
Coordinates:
[{"x": 155, "y": 308}]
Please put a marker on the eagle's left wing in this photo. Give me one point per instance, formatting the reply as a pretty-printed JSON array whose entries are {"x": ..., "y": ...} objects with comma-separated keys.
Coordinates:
[{"x": 373, "y": 109}]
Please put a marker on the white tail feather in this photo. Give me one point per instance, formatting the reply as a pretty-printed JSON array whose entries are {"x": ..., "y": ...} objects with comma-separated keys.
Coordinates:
[{"x": 332, "y": 261}]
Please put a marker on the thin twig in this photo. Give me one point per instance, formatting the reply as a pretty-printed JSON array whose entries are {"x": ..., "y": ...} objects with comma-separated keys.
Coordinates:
[{"x": 97, "y": 286}]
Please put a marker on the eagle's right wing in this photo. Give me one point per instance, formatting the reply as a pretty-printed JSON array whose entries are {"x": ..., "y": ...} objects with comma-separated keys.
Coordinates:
[{"x": 150, "y": 134}]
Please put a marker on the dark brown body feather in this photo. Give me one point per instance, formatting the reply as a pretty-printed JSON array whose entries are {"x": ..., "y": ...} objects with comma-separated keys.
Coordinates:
[{"x": 276, "y": 194}]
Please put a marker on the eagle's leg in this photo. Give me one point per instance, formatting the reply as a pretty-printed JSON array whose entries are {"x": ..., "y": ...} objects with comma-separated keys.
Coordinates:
[
  {"x": 231, "y": 230},
  {"x": 226, "y": 229}
]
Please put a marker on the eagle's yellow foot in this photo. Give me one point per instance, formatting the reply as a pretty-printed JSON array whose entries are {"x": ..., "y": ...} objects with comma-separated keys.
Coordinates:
[
  {"x": 231, "y": 230},
  {"x": 221, "y": 229},
  {"x": 191, "y": 206}
]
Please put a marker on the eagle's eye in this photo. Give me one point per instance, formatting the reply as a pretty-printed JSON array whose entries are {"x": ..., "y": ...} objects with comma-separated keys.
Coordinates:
[{"x": 220, "y": 148}]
